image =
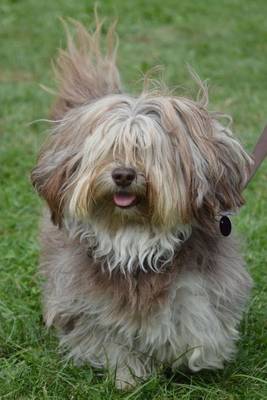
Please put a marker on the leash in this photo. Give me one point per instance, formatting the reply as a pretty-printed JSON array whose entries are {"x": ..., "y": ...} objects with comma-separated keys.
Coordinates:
[{"x": 258, "y": 155}]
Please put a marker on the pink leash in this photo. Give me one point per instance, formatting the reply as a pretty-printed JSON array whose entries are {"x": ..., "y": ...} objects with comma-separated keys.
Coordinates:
[{"x": 259, "y": 153}]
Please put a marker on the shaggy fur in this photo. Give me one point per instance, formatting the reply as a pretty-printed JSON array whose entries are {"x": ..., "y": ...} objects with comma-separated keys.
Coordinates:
[{"x": 129, "y": 288}]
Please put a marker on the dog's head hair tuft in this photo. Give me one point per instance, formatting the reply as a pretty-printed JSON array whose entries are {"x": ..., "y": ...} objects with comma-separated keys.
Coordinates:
[{"x": 85, "y": 73}]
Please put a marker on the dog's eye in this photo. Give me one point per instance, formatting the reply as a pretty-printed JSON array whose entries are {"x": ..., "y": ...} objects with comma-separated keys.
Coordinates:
[
  {"x": 153, "y": 114},
  {"x": 72, "y": 168}
]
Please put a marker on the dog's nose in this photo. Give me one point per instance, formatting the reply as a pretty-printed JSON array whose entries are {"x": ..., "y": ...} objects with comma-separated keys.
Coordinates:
[{"x": 123, "y": 176}]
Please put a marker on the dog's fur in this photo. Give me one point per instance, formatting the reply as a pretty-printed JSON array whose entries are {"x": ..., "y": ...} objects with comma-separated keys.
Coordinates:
[{"x": 156, "y": 282}]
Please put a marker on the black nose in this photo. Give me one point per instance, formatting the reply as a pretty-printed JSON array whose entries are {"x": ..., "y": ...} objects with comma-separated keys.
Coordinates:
[{"x": 123, "y": 176}]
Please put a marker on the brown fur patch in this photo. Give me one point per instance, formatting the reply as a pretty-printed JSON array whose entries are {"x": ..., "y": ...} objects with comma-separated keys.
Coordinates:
[{"x": 141, "y": 292}]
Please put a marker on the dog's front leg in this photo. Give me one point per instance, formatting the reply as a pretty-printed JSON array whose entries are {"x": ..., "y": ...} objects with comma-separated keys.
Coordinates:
[{"x": 129, "y": 366}]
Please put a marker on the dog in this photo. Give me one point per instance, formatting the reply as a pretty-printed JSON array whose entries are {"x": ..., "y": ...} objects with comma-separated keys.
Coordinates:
[{"x": 136, "y": 270}]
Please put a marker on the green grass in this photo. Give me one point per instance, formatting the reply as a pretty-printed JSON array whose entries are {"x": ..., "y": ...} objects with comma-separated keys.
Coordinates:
[{"x": 226, "y": 42}]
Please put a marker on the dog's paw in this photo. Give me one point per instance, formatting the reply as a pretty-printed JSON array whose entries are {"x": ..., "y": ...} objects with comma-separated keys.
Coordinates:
[{"x": 125, "y": 380}]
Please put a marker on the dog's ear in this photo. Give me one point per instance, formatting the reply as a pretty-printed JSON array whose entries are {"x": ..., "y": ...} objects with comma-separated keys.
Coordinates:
[
  {"x": 83, "y": 73},
  {"x": 227, "y": 167},
  {"x": 214, "y": 164},
  {"x": 51, "y": 178}
]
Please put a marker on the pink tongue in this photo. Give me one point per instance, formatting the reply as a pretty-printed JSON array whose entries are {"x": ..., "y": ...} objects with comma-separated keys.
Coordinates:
[{"x": 124, "y": 200}]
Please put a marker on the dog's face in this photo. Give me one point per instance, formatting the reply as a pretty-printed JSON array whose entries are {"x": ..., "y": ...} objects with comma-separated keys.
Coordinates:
[{"x": 153, "y": 160}]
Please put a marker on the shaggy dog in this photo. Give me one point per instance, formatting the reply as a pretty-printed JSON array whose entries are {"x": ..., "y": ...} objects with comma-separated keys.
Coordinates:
[{"x": 136, "y": 269}]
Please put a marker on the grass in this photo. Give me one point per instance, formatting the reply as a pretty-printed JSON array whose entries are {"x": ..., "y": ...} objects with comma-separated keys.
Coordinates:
[{"x": 225, "y": 42}]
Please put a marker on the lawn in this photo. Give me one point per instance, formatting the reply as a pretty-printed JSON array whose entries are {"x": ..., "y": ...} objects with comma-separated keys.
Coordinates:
[{"x": 226, "y": 43}]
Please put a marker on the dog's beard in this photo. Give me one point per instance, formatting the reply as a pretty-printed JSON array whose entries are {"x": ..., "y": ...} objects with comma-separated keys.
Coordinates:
[{"x": 130, "y": 248}]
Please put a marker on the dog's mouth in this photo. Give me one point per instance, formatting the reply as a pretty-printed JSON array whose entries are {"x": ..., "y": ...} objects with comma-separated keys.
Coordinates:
[{"x": 125, "y": 199}]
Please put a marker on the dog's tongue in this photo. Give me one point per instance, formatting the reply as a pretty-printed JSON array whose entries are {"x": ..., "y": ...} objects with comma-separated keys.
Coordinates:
[{"x": 124, "y": 199}]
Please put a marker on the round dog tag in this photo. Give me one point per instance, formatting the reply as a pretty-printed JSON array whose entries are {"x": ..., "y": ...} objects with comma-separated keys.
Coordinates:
[{"x": 225, "y": 226}]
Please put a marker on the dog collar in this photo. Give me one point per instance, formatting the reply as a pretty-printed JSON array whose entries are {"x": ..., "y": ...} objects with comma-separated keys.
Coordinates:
[
  {"x": 258, "y": 155},
  {"x": 225, "y": 225}
]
